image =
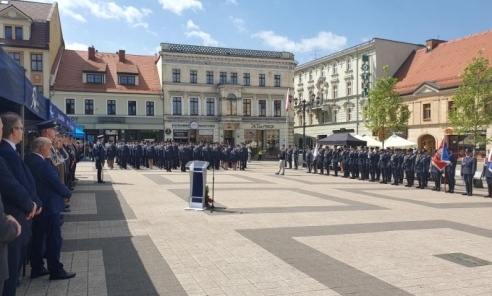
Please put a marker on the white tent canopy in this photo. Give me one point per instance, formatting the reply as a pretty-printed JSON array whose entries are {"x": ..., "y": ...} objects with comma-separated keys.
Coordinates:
[
  {"x": 398, "y": 142},
  {"x": 371, "y": 142}
]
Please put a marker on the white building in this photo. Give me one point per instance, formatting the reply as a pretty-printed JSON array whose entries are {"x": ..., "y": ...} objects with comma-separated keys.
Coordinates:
[
  {"x": 214, "y": 94},
  {"x": 335, "y": 87}
]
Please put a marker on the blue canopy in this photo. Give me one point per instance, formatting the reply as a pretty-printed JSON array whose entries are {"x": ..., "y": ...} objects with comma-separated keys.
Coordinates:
[
  {"x": 77, "y": 133},
  {"x": 16, "y": 88},
  {"x": 61, "y": 118}
]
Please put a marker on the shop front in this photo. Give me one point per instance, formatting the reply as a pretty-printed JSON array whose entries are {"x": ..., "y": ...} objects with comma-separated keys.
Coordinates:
[
  {"x": 193, "y": 132},
  {"x": 266, "y": 137}
]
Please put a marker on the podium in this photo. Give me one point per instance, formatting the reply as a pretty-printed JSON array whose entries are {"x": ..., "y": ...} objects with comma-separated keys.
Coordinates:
[{"x": 198, "y": 181}]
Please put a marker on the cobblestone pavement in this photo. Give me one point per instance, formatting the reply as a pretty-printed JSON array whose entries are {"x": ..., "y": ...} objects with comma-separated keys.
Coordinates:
[{"x": 297, "y": 234}]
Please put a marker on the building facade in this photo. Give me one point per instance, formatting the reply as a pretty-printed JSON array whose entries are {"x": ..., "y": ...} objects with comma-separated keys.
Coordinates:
[
  {"x": 330, "y": 92},
  {"x": 31, "y": 34},
  {"x": 114, "y": 94},
  {"x": 226, "y": 95},
  {"x": 428, "y": 81}
]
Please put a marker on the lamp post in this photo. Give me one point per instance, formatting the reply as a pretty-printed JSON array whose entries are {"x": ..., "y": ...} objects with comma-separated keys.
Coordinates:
[{"x": 304, "y": 104}]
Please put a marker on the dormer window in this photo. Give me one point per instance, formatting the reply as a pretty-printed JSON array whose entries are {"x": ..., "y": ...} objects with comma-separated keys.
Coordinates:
[
  {"x": 127, "y": 80},
  {"x": 18, "y": 33},
  {"x": 94, "y": 78},
  {"x": 8, "y": 32}
]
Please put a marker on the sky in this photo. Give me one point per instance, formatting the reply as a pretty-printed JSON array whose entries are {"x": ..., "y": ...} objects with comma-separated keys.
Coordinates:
[{"x": 309, "y": 29}]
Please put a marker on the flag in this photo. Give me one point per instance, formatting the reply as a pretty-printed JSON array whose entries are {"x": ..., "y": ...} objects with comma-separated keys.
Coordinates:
[
  {"x": 490, "y": 161},
  {"x": 316, "y": 148},
  {"x": 287, "y": 101},
  {"x": 441, "y": 158}
]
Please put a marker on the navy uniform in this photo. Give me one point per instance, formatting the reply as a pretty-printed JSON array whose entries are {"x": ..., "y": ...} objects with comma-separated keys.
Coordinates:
[
  {"x": 335, "y": 158},
  {"x": 309, "y": 160},
  {"x": 451, "y": 171},
  {"x": 488, "y": 177},
  {"x": 320, "y": 160},
  {"x": 100, "y": 155},
  {"x": 468, "y": 169},
  {"x": 327, "y": 159},
  {"x": 295, "y": 156},
  {"x": 420, "y": 169},
  {"x": 290, "y": 154},
  {"x": 46, "y": 236},
  {"x": 345, "y": 162},
  {"x": 409, "y": 165}
]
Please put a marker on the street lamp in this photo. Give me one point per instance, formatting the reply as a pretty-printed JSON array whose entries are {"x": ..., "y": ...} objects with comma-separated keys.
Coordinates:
[{"x": 304, "y": 104}]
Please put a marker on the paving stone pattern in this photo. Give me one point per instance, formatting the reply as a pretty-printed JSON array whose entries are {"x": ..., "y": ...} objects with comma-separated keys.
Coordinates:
[{"x": 297, "y": 234}]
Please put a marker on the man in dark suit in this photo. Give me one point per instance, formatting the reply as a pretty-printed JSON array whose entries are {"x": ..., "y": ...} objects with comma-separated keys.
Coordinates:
[
  {"x": 46, "y": 237},
  {"x": 100, "y": 156},
  {"x": 13, "y": 134},
  {"x": 9, "y": 230},
  {"x": 468, "y": 169}
]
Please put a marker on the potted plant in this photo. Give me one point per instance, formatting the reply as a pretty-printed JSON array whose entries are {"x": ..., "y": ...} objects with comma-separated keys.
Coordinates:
[{"x": 207, "y": 196}]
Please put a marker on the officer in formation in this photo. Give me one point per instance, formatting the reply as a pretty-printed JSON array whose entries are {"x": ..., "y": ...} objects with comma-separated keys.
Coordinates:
[{"x": 172, "y": 155}]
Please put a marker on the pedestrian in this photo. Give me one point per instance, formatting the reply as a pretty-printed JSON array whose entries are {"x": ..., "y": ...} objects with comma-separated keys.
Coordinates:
[
  {"x": 468, "y": 169},
  {"x": 260, "y": 154},
  {"x": 488, "y": 175},
  {"x": 281, "y": 161}
]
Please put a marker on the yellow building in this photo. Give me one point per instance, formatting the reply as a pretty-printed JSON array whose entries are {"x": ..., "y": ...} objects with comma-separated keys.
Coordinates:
[{"x": 31, "y": 33}]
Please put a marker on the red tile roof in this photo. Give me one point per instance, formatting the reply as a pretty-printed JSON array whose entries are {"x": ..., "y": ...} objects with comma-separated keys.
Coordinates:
[
  {"x": 443, "y": 64},
  {"x": 74, "y": 63}
]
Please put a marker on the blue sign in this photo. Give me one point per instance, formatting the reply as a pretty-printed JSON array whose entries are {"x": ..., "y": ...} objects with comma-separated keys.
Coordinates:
[{"x": 61, "y": 118}]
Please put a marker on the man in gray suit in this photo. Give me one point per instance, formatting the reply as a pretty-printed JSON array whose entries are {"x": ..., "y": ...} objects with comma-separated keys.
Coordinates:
[{"x": 468, "y": 169}]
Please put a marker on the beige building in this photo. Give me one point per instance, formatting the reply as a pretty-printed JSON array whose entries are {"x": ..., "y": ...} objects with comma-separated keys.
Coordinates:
[
  {"x": 114, "y": 94},
  {"x": 226, "y": 95},
  {"x": 428, "y": 81},
  {"x": 334, "y": 88},
  {"x": 31, "y": 33}
]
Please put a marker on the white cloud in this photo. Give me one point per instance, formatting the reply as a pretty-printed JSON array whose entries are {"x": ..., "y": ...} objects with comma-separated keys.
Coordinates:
[
  {"x": 76, "y": 46},
  {"x": 193, "y": 30},
  {"x": 238, "y": 23},
  {"x": 178, "y": 6},
  {"x": 105, "y": 10},
  {"x": 324, "y": 41},
  {"x": 234, "y": 2}
]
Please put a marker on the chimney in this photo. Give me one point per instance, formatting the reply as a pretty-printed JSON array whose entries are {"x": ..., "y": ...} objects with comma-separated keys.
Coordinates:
[
  {"x": 92, "y": 53},
  {"x": 432, "y": 43},
  {"x": 121, "y": 54}
]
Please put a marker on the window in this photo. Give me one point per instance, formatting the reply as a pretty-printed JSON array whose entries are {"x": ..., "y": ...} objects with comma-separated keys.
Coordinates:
[
  {"x": 427, "y": 111},
  {"x": 193, "y": 76},
  {"x": 39, "y": 89},
  {"x": 127, "y": 80},
  {"x": 262, "y": 80},
  {"x": 18, "y": 33},
  {"x": 451, "y": 106},
  {"x": 70, "y": 106},
  {"x": 111, "y": 106},
  {"x": 177, "y": 106},
  {"x": 335, "y": 91},
  {"x": 349, "y": 64},
  {"x": 300, "y": 78},
  {"x": 36, "y": 62},
  {"x": 335, "y": 68},
  {"x": 149, "y": 107},
  {"x": 327, "y": 116},
  {"x": 323, "y": 71},
  {"x": 335, "y": 116},
  {"x": 223, "y": 77},
  {"x": 132, "y": 108},
  {"x": 246, "y": 79},
  {"x": 277, "y": 108},
  {"x": 234, "y": 78},
  {"x": 210, "y": 102},
  {"x": 276, "y": 80},
  {"x": 193, "y": 106},
  {"x": 176, "y": 75},
  {"x": 8, "y": 32},
  {"x": 15, "y": 56},
  {"x": 210, "y": 77},
  {"x": 310, "y": 75},
  {"x": 349, "y": 88},
  {"x": 89, "y": 106},
  {"x": 262, "y": 108},
  {"x": 94, "y": 78},
  {"x": 349, "y": 114},
  {"x": 247, "y": 107}
]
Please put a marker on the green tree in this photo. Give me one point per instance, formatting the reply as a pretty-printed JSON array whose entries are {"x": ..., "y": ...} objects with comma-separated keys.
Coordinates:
[
  {"x": 472, "y": 101},
  {"x": 385, "y": 111}
]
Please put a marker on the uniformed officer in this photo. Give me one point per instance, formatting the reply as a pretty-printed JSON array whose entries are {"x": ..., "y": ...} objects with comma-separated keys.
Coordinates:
[
  {"x": 468, "y": 169},
  {"x": 100, "y": 155},
  {"x": 409, "y": 165},
  {"x": 420, "y": 169},
  {"x": 335, "y": 158},
  {"x": 451, "y": 171}
]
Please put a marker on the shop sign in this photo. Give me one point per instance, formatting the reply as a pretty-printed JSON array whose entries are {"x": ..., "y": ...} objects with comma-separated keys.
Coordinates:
[
  {"x": 365, "y": 75},
  {"x": 206, "y": 132},
  {"x": 262, "y": 126},
  {"x": 180, "y": 134},
  {"x": 167, "y": 131}
]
